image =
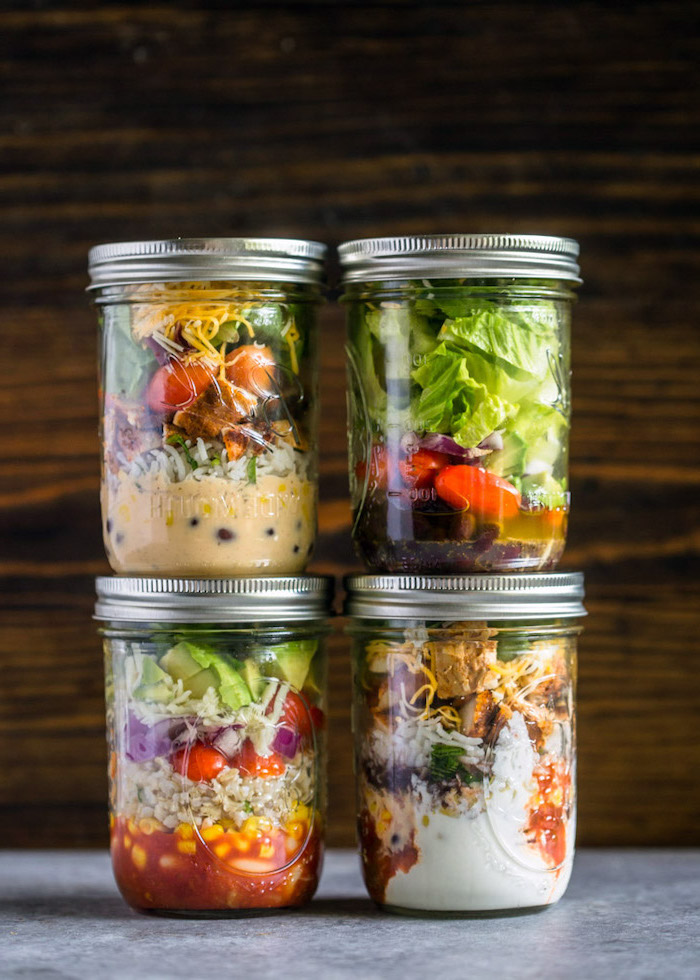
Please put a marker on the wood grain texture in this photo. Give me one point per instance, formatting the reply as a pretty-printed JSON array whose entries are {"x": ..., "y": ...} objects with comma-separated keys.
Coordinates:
[{"x": 333, "y": 121}]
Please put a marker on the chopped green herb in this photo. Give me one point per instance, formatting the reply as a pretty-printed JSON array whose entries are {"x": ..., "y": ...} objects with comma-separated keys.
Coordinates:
[
  {"x": 177, "y": 440},
  {"x": 247, "y": 808},
  {"x": 252, "y": 470},
  {"x": 445, "y": 764}
]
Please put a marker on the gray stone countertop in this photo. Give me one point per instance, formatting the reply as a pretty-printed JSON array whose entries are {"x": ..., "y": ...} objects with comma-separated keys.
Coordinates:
[{"x": 631, "y": 914}]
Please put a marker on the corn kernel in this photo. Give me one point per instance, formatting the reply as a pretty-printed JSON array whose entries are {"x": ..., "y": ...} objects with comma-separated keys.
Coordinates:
[
  {"x": 206, "y": 509},
  {"x": 127, "y": 841},
  {"x": 133, "y": 829},
  {"x": 296, "y": 829},
  {"x": 240, "y": 842},
  {"x": 227, "y": 823},
  {"x": 138, "y": 856},
  {"x": 187, "y": 846},
  {"x": 251, "y": 826},
  {"x": 213, "y": 832},
  {"x": 291, "y": 846},
  {"x": 426, "y": 820},
  {"x": 111, "y": 821},
  {"x": 267, "y": 851},
  {"x": 282, "y": 487},
  {"x": 168, "y": 861},
  {"x": 185, "y": 830},
  {"x": 221, "y": 850},
  {"x": 302, "y": 812}
]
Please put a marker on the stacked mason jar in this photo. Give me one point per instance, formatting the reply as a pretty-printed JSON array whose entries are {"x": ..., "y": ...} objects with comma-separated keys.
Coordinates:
[
  {"x": 214, "y": 639},
  {"x": 463, "y": 636},
  {"x": 464, "y": 639}
]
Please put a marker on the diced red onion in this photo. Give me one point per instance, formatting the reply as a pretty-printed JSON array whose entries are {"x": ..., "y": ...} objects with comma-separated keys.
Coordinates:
[
  {"x": 286, "y": 742},
  {"x": 439, "y": 443},
  {"x": 160, "y": 353},
  {"x": 492, "y": 442},
  {"x": 143, "y": 742}
]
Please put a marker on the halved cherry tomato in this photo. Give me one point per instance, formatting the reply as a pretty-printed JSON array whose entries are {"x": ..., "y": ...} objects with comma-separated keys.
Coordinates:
[
  {"x": 318, "y": 719},
  {"x": 378, "y": 468},
  {"x": 250, "y": 763},
  {"x": 295, "y": 714},
  {"x": 176, "y": 385},
  {"x": 420, "y": 469},
  {"x": 475, "y": 489},
  {"x": 252, "y": 368},
  {"x": 199, "y": 763}
]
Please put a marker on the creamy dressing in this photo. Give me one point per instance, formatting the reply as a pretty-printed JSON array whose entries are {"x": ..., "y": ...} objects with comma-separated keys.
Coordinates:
[
  {"x": 463, "y": 868},
  {"x": 210, "y": 526}
]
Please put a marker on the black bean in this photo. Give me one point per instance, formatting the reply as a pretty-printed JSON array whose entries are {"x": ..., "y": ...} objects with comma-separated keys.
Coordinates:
[
  {"x": 109, "y": 526},
  {"x": 120, "y": 538},
  {"x": 270, "y": 531},
  {"x": 395, "y": 839},
  {"x": 194, "y": 521},
  {"x": 295, "y": 549},
  {"x": 298, "y": 525},
  {"x": 223, "y": 534}
]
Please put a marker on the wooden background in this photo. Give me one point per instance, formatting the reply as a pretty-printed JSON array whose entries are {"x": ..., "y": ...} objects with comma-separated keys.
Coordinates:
[{"x": 334, "y": 121}]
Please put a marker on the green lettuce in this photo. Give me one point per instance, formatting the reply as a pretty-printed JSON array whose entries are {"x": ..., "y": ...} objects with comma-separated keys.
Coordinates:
[
  {"x": 128, "y": 365},
  {"x": 518, "y": 347},
  {"x": 455, "y": 403}
]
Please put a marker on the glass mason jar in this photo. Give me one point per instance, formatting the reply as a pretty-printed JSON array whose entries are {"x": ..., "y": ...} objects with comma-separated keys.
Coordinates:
[
  {"x": 459, "y": 400},
  {"x": 215, "y": 693},
  {"x": 463, "y": 720},
  {"x": 209, "y": 401}
]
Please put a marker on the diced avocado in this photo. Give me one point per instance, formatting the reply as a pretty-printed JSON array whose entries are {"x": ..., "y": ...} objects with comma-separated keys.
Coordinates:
[
  {"x": 313, "y": 684},
  {"x": 198, "y": 684},
  {"x": 159, "y": 692},
  {"x": 291, "y": 661},
  {"x": 180, "y": 662},
  {"x": 233, "y": 690},
  {"x": 510, "y": 460},
  {"x": 185, "y": 660},
  {"x": 541, "y": 489},
  {"x": 152, "y": 686},
  {"x": 250, "y": 672}
]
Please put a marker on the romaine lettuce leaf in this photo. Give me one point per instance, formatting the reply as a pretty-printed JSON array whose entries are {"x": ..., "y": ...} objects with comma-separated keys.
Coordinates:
[
  {"x": 452, "y": 401},
  {"x": 520, "y": 345}
]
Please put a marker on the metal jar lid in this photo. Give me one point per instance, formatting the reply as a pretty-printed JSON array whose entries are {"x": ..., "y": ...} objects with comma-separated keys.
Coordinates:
[
  {"x": 460, "y": 256},
  {"x": 194, "y": 259},
  {"x": 243, "y": 600},
  {"x": 525, "y": 596}
]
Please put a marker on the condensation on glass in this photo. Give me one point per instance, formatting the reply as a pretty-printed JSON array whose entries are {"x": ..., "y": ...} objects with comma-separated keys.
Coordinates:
[
  {"x": 459, "y": 400},
  {"x": 216, "y": 736},
  {"x": 465, "y": 757},
  {"x": 209, "y": 411}
]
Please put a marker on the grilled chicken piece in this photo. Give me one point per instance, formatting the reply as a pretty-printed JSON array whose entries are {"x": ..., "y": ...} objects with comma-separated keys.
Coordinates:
[
  {"x": 221, "y": 406},
  {"x": 463, "y": 667},
  {"x": 236, "y": 441},
  {"x": 478, "y": 715}
]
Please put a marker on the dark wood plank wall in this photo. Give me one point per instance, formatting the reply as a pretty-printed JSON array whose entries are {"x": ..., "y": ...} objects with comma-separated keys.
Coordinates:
[{"x": 334, "y": 121}]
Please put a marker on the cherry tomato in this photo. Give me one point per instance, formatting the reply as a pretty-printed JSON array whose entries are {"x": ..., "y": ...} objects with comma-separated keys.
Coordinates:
[
  {"x": 199, "y": 763},
  {"x": 295, "y": 714},
  {"x": 420, "y": 469},
  {"x": 378, "y": 468},
  {"x": 318, "y": 719},
  {"x": 252, "y": 368},
  {"x": 176, "y": 385},
  {"x": 475, "y": 489},
  {"x": 250, "y": 763}
]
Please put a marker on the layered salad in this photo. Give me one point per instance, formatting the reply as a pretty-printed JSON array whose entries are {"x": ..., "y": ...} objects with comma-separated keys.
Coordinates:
[
  {"x": 216, "y": 773},
  {"x": 459, "y": 428},
  {"x": 465, "y": 758},
  {"x": 209, "y": 456}
]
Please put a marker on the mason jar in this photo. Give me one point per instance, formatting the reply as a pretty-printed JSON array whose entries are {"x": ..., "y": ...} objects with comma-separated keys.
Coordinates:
[
  {"x": 208, "y": 383},
  {"x": 459, "y": 400},
  {"x": 464, "y": 731},
  {"x": 215, "y": 693}
]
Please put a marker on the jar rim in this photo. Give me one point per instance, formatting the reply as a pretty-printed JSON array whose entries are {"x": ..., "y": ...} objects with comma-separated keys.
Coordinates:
[
  {"x": 503, "y": 596},
  {"x": 472, "y": 256},
  {"x": 268, "y": 599},
  {"x": 294, "y": 260}
]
